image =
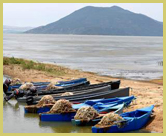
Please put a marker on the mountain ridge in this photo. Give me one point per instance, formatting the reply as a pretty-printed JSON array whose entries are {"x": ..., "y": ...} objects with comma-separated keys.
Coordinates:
[{"x": 103, "y": 21}]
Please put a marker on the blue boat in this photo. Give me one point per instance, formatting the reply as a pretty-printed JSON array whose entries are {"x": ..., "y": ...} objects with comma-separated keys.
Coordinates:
[
  {"x": 127, "y": 100},
  {"x": 37, "y": 110},
  {"x": 97, "y": 104},
  {"x": 134, "y": 120},
  {"x": 43, "y": 85},
  {"x": 101, "y": 109},
  {"x": 103, "y": 103},
  {"x": 70, "y": 116},
  {"x": 116, "y": 108},
  {"x": 57, "y": 117},
  {"x": 72, "y": 81}
]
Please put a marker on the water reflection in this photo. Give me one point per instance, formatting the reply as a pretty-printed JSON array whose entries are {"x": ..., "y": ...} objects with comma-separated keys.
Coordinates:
[
  {"x": 65, "y": 127},
  {"x": 31, "y": 115},
  {"x": 14, "y": 106}
]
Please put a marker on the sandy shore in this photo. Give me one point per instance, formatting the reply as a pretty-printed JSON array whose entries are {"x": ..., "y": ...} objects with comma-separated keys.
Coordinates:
[{"x": 147, "y": 93}]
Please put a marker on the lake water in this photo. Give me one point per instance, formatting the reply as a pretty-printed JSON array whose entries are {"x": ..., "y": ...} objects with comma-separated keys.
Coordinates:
[{"x": 118, "y": 56}]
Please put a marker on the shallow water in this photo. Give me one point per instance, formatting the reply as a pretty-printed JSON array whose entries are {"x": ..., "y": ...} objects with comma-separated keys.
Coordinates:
[
  {"x": 119, "y": 56},
  {"x": 15, "y": 121}
]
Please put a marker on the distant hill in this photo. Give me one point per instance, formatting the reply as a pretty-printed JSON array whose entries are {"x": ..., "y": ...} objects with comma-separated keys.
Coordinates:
[
  {"x": 103, "y": 21},
  {"x": 15, "y": 29}
]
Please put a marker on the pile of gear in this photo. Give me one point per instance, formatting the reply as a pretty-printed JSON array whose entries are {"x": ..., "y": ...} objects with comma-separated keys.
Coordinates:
[
  {"x": 62, "y": 106},
  {"x": 15, "y": 81},
  {"x": 52, "y": 86},
  {"x": 26, "y": 86},
  {"x": 86, "y": 113},
  {"x": 46, "y": 100},
  {"x": 67, "y": 94},
  {"x": 110, "y": 119}
]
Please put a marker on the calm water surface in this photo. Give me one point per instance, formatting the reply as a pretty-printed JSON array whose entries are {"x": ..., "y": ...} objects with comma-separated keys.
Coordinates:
[{"x": 119, "y": 56}]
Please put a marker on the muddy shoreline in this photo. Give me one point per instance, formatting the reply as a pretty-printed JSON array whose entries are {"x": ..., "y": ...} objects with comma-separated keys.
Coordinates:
[{"x": 147, "y": 92}]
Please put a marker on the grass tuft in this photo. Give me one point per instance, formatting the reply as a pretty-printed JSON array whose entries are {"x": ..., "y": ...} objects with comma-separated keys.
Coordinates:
[{"x": 29, "y": 64}]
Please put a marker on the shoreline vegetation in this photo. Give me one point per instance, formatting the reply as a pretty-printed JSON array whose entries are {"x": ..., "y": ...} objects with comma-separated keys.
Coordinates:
[{"x": 147, "y": 92}]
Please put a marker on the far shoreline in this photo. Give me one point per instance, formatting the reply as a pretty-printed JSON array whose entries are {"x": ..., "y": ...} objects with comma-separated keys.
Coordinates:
[
  {"x": 84, "y": 35},
  {"x": 158, "y": 80}
]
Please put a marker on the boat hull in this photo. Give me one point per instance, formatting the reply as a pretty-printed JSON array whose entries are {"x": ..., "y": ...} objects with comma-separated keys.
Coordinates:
[
  {"x": 135, "y": 122},
  {"x": 43, "y": 85},
  {"x": 108, "y": 93},
  {"x": 37, "y": 110},
  {"x": 71, "y": 87},
  {"x": 57, "y": 117}
]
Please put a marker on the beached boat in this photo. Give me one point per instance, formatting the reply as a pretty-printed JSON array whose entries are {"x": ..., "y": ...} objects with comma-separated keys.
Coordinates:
[
  {"x": 114, "y": 85},
  {"x": 103, "y": 92},
  {"x": 107, "y": 94},
  {"x": 116, "y": 108},
  {"x": 77, "y": 87},
  {"x": 57, "y": 117},
  {"x": 42, "y": 85},
  {"x": 72, "y": 81},
  {"x": 134, "y": 120},
  {"x": 37, "y": 110},
  {"x": 98, "y": 105},
  {"x": 127, "y": 100},
  {"x": 105, "y": 105},
  {"x": 69, "y": 116},
  {"x": 78, "y": 93},
  {"x": 71, "y": 87}
]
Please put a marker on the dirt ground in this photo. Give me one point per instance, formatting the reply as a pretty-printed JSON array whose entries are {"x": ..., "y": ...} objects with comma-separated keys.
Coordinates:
[{"x": 146, "y": 92}]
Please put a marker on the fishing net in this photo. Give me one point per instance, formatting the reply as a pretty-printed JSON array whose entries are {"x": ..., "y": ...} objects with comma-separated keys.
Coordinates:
[
  {"x": 52, "y": 86},
  {"x": 62, "y": 106},
  {"x": 67, "y": 94},
  {"x": 86, "y": 113},
  {"x": 15, "y": 81},
  {"x": 26, "y": 86},
  {"x": 109, "y": 120},
  {"x": 45, "y": 101}
]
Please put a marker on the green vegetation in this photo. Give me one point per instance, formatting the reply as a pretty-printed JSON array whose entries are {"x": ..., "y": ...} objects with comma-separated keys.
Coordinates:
[
  {"x": 7, "y": 61},
  {"x": 29, "y": 64}
]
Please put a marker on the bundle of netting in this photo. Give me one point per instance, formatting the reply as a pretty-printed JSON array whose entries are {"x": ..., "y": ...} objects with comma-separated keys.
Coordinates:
[
  {"x": 62, "y": 106},
  {"x": 15, "y": 81},
  {"x": 52, "y": 86},
  {"x": 67, "y": 94},
  {"x": 26, "y": 86},
  {"x": 110, "y": 119},
  {"x": 86, "y": 113},
  {"x": 46, "y": 100}
]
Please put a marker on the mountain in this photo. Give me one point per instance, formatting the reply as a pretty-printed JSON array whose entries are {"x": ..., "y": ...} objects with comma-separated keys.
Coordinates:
[
  {"x": 15, "y": 29},
  {"x": 103, "y": 21}
]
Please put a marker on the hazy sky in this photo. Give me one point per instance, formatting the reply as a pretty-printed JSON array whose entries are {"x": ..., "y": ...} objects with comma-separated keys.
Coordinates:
[{"x": 37, "y": 14}]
